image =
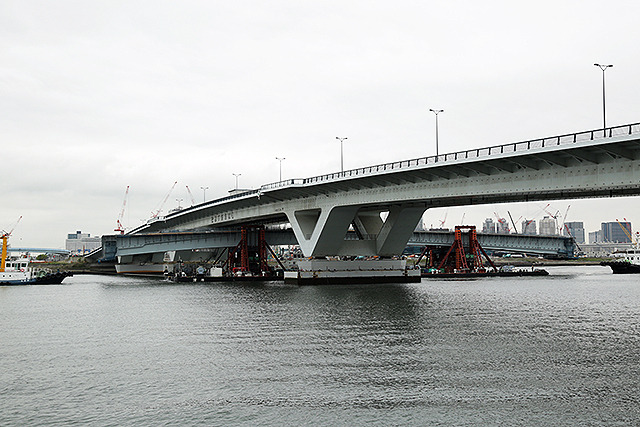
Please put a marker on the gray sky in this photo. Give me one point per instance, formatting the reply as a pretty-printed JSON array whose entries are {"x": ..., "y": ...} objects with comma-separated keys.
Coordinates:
[{"x": 98, "y": 95}]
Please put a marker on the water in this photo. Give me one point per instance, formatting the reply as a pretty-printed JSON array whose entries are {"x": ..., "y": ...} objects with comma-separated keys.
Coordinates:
[{"x": 111, "y": 351}]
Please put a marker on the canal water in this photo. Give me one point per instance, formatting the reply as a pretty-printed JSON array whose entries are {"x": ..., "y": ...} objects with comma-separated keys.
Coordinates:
[{"x": 112, "y": 351}]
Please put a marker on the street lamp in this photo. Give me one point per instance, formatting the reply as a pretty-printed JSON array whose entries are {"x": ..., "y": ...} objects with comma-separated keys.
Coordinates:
[
  {"x": 341, "y": 152},
  {"x": 204, "y": 193},
  {"x": 604, "y": 111},
  {"x": 236, "y": 175},
  {"x": 280, "y": 159},
  {"x": 436, "y": 112}
]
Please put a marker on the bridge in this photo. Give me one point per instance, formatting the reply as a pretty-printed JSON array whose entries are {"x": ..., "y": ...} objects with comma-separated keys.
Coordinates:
[
  {"x": 202, "y": 246},
  {"x": 38, "y": 250},
  {"x": 382, "y": 204}
]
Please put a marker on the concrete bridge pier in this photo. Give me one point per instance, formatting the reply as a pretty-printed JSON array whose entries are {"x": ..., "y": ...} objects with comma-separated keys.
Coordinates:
[{"x": 322, "y": 232}]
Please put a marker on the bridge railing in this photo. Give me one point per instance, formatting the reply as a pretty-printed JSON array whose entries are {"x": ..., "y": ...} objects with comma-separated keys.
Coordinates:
[{"x": 516, "y": 147}]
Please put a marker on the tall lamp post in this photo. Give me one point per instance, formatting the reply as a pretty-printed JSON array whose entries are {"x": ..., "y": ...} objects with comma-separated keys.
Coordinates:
[
  {"x": 204, "y": 193},
  {"x": 236, "y": 175},
  {"x": 341, "y": 152},
  {"x": 280, "y": 159},
  {"x": 436, "y": 112},
  {"x": 604, "y": 109}
]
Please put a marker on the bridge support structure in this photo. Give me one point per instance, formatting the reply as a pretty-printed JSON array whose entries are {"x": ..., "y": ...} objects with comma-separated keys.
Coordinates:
[
  {"x": 457, "y": 260},
  {"x": 323, "y": 231},
  {"x": 249, "y": 257}
]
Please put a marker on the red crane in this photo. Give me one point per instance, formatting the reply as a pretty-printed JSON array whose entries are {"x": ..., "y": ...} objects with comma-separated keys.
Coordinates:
[{"x": 119, "y": 228}]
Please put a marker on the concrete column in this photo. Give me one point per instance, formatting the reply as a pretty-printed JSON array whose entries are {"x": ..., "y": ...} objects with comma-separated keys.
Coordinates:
[
  {"x": 321, "y": 232},
  {"x": 397, "y": 229}
]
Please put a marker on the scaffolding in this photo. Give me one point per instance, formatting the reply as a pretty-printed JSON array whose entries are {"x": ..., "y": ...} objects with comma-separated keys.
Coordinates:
[{"x": 459, "y": 260}]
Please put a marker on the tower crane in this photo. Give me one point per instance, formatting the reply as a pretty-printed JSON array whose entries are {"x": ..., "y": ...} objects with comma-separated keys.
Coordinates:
[
  {"x": 193, "y": 201},
  {"x": 555, "y": 217},
  {"x": 157, "y": 212},
  {"x": 119, "y": 228}
]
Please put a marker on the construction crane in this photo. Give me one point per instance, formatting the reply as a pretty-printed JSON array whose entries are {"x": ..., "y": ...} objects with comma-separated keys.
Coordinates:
[
  {"x": 526, "y": 223},
  {"x": 502, "y": 222},
  {"x": 515, "y": 229},
  {"x": 555, "y": 217},
  {"x": 444, "y": 219},
  {"x": 626, "y": 232},
  {"x": 4, "y": 233},
  {"x": 564, "y": 218},
  {"x": 157, "y": 212},
  {"x": 573, "y": 239},
  {"x": 4, "y": 236},
  {"x": 119, "y": 228},
  {"x": 193, "y": 201}
]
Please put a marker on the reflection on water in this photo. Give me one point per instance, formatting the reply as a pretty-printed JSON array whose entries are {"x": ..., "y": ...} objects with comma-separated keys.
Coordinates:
[{"x": 561, "y": 349}]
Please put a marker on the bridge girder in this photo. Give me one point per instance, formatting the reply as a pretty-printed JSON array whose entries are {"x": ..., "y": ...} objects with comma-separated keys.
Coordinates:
[
  {"x": 551, "y": 169},
  {"x": 189, "y": 246}
]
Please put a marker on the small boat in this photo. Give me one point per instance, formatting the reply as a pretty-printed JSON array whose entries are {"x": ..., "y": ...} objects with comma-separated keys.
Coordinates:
[
  {"x": 627, "y": 262},
  {"x": 18, "y": 271}
]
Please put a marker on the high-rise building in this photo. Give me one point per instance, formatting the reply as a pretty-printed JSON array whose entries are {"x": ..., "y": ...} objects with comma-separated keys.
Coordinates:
[
  {"x": 595, "y": 237},
  {"x": 548, "y": 226},
  {"x": 574, "y": 229},
  {"x": 502, "y": 227},
  {"x": 529, "y": 227},
  {"x": 616, "y": 232},
  {"x": 488, "y": 226}
]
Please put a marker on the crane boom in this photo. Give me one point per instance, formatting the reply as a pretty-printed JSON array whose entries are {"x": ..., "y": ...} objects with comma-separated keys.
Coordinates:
[
  {"x": 626, "y": 232},
  {"x": 502, "y": 221},
  {"x": 193, "y": 201},
  {"x": 564, "y": 218},
  {"x": 157, "y": 212},
  {"x": 515, "y": 229},
  {"x": 119, "y": 226},
  {"x": 4, "y": 236}
]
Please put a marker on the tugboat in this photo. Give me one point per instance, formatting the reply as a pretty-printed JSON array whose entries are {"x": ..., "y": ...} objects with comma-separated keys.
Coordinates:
[
  {"x": 628, "y": 262},
  {"x": 18, "y": 272}
]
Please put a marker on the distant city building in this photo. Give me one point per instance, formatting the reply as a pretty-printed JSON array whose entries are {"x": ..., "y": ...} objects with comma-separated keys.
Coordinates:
[
  {"x": 81, "y": 243},
  {"x": 529, "y": 227},
  {"x": 574, "y": 229},
  {"x": 488, "y": 226},
  {"x": 595, "y": 237},
  {"x": 548, "y": 226},
  {"x": 616, "y": 232},
  {"x": 604, "y": 249},
  {"x": 502, "y": 227}
]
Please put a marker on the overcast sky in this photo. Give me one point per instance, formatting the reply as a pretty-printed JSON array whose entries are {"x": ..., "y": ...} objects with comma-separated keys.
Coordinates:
[{"x": 100, "y": 95}]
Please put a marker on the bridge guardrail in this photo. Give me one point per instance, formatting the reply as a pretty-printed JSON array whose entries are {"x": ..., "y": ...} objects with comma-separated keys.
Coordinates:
[{"x": 513, "y": 147}]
